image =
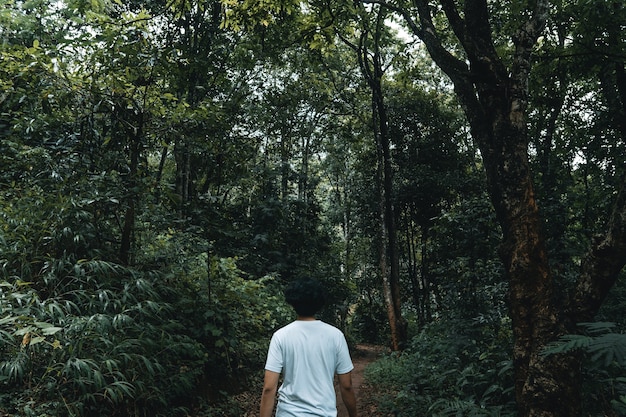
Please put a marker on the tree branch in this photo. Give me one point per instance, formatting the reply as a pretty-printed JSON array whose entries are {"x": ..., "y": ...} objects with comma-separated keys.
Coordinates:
[{"x": 601, "y": 266}]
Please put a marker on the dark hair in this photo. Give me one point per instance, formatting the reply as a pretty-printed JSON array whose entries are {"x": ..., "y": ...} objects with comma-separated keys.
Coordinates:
[{"x": 306, "y": 296}]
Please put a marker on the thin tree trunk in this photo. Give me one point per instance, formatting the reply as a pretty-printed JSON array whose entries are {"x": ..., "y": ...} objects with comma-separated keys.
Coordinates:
[
  {"x": 183, "y": 174},
  {"x": 303, "y": 176},
  {"x": 159, "y": 173},
  {"x": 390, "y": 224},
  {"x": 383, "y": 260},
  {"x": 285, "y": 169},
  {"x": 128, "y": 229},
  {"x": 134, "y": 131},
  {"x": 391, "y": 279},
  {"x": 372, "y": 70},
  {"x": 425, "y": 281},
  {"x": 412, "y": 269}
]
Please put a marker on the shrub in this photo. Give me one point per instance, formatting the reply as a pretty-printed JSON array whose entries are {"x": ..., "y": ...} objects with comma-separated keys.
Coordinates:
[
  {"x": 115, "y": 341},
  {"x": 109, "y": 344},
  {"x": 233, "y": 317},
  {"x": 450, "y": 369}
]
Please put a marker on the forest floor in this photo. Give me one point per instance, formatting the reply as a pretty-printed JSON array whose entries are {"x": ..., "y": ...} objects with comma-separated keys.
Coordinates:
[{"x": 362, "y": 356}]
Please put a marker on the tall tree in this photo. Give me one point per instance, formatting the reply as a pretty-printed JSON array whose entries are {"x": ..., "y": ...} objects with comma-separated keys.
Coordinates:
[
  {"x": 370, "y": 53},
  {"x": 491, "y": 82}
]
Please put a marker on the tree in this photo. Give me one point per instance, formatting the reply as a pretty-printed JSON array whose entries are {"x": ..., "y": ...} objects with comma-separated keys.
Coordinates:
[
  {"x": 432, "y": 177},
  {"x": 370, "y": 51},
  {"x": 491, "y": 82}
]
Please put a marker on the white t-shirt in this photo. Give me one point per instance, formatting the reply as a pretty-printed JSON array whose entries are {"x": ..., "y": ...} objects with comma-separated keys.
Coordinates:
[{"x": 309, "y": 353}]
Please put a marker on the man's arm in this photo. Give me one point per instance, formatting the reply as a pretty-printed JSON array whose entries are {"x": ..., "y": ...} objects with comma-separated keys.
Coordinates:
[
  {"x": 268, "y": 398},
  {"x": 347, "y": 393}
]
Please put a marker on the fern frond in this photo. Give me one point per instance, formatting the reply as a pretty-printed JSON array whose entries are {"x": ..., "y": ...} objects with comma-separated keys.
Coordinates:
[
  {"x": 602, "y": 343},
  {"x": 568, "y": 343},
  {"x": 611, "y": 347},
  {"x": 598, "y": 326}
]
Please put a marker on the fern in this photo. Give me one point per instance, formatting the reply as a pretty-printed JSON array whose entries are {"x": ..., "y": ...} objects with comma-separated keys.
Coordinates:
[
  {"x": 603, "y": 346},
  {"x": 605, "y": 350},
  {"x": 109, "y": 342},
  {"x": 448, "y": 371},
  {"x": 611, "y": 347}
]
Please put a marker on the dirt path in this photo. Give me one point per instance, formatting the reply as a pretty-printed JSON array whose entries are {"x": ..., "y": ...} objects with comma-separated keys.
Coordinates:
[{"x": 363, "y": 356}]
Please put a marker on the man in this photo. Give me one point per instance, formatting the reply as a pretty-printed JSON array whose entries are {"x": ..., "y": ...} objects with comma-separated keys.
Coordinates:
[{"x": 309, "y": 353}]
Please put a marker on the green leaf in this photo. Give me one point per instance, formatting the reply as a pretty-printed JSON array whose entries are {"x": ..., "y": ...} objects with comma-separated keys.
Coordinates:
[
  {"x": 37, "y": 339},
  {"x": 51, "y": 330}
]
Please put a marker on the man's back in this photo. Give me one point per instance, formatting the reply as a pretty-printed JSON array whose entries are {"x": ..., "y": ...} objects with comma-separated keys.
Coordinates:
[{"x": 309, "y": 353}]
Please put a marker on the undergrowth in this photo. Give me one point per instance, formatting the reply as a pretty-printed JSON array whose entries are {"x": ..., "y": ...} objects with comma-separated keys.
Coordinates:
[
  {"x": 463, "y": 369},
  {"x": 448, "y": 370},
  {"x": 109, "y": 340}
]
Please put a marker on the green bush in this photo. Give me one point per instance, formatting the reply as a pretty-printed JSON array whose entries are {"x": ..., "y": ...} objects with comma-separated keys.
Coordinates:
[
  {"x": 83, "y": 335},
  {"x": 451, "y": 369},
  {"x": 109, "y": 345},
  {"x": 369, "y": 323},
  {"x": 233, "y": 317},
  {"x": 120, "y": 342}
]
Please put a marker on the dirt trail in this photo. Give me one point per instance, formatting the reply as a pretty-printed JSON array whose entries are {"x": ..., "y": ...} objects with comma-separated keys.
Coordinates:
[{"x": 363, "y": 356}]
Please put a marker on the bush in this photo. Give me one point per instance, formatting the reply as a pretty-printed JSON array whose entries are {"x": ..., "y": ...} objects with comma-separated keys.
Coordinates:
[
  {"x": 450, "y": 369},
  {"x": 83, "y": 335},
  {"x": 108, "y": 345},
  {"x": 120, "y": 342},
  {"x": 369, "y": 323},
  {"x": 233, "y": 317}
]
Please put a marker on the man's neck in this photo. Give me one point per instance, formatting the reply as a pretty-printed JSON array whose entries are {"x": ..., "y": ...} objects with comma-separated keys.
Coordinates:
[{"x": 306, "y": 318}]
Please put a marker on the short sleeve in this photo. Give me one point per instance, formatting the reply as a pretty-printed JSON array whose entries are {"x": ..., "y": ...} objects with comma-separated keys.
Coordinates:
[
  {"x": 274, "y": 360},
  {"x": 344, "y": 362}
]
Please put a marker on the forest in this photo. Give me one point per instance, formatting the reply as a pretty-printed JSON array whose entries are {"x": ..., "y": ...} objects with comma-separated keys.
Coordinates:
[{"x": 453, "y": 171}]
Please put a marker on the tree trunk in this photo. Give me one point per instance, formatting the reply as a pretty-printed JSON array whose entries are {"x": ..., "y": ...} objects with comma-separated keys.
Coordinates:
[
  {"x": 412, "y": 269},
  {"x": 285, "y": 159},
  {"x": 132, "y": 183},
  {"x": 182, "y": 157},
  {"x": 159, "y": 174},
  {"x": 373, "y": 71}
]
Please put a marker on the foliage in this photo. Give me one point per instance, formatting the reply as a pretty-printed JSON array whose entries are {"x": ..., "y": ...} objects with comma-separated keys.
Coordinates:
[
  {"x": 604, "y": 367},
  {"x": 464, "y": 260},
  {"x": 85, "y": 336},
  {"x": 108, "y": 342},
  {"x": 450, "y": 369},
  {"x": 369, "y": 322},
  {"x": 120, "y": 341},
  {"x": 166, "y": 168},
  {"x": 234, "y": 318}
]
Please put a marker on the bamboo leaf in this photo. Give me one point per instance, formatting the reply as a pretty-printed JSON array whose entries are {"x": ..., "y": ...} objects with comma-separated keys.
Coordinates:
[{"x": 36, "y": 340}]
